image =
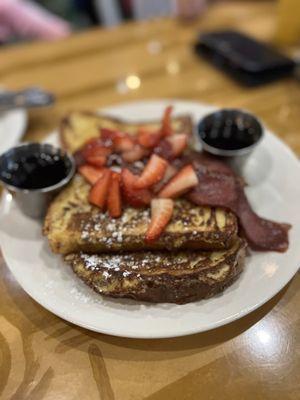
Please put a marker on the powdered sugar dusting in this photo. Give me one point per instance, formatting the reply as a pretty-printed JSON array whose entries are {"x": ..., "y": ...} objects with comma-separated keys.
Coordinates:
[
  {"x": 79, "y": 295},
  {"x": 91, "y": 261},
  {"x": 84, "y": 235},
  {"x": 132, "y": 263},
  {"x": 110, "y": 233},
  {"x": 76, "y": 293},
  {"x": 95, "y": 262},
  {"x": 106, "y": 275},
  {"x": 110, "y": 227}
]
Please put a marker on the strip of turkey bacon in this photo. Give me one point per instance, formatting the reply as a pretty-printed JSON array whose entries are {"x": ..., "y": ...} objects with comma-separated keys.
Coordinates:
[{"x": 220, "y": 187}]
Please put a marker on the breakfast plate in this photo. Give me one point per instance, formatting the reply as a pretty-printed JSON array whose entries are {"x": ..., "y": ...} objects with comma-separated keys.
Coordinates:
[
  {"x": 12, "y": 127},
  {"x": 272, "y": 173}
]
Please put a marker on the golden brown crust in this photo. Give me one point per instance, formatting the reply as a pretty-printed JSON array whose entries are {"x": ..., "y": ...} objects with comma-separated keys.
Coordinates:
[
  {"x": 73, "y": 225},
  {"x": 161, "y": 277}
]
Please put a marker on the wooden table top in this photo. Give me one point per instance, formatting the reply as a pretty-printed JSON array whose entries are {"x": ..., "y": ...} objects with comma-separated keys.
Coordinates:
[{"x": 44, "y": 357}]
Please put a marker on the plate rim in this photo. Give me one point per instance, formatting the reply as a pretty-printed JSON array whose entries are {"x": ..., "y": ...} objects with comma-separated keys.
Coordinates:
[
  {"x": 21, "y": 115},
  {"x": 189, "y": 331}
]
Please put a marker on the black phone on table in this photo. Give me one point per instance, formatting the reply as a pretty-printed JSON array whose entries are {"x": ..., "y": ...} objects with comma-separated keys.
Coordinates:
[{"x": 247, "y": 60}]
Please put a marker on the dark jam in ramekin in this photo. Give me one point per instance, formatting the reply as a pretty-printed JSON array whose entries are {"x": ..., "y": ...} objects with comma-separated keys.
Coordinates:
[{"x": 33, "y": 169}]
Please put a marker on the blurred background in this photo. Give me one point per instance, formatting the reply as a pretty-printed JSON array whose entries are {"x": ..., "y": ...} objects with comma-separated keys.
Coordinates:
[
  {"x": 103, "y": 52},
  {"x": 23, "y": 20}
]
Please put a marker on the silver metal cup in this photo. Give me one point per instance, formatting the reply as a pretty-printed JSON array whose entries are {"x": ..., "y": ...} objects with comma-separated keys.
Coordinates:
[
  {"x": 221, "y": 123},
  {"x": 34, "y": 202}
]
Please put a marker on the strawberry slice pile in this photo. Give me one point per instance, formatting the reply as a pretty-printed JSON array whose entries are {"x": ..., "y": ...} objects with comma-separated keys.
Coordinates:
[
  {"x": 157, "y": 184},
  {"x": 161, "y": 213}
]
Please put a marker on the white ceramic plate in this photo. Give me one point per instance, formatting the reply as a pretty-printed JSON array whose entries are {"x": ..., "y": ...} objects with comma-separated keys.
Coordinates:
[
  {"x": 12, "y": 127},
  {"x": 274, "y": 192}
]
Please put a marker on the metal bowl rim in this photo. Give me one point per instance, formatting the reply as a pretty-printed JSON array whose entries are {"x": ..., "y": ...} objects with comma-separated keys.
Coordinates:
[
  {"x": 46, "y": 189},
  {"x": 231, "y": 153}
]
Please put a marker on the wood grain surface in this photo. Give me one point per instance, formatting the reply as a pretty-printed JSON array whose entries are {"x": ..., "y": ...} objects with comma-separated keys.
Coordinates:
[{"x": 44, "y": 357}]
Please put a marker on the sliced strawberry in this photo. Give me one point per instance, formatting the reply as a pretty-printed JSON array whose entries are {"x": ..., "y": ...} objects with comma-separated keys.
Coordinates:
[
  {"x": 171, "y": 146},
  {"x": 178, "y": 143},
  {"x": 95, "y": 147},
  {"x": 107, "y": 135},
  {"x": 99, "y": 192},
  {"x": 153, "y": 172},
  {"x": 184, "y": 180},
  {"x": 94, "y": 142},
  {"x": 96, "y": 160},
  {"x": 166, "y": 125},
  {"x": 136, "y": 154},
  {"x": 90, "y": 173},
  {"x": 93, "y": 152},
  {"x": 123, "y": 143},
  {"x": 134, "y": 197},
  {"x": 164, "y": 149},
  {"x": 114, "y": 203},
  {"x": 96, "y": 156},
  {"x": 161, "y": 213},
  {"x": 99, "y": 151},
  {"x": 170, "y": 172},
  {"x": 147, "y": 138}
]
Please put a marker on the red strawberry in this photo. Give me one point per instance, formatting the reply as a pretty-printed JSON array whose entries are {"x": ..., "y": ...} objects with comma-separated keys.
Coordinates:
[
  {"x": 134, "y": 197},
  {"x": 153, "y": 172},
  {"x": 114, "y": 203},
  {"x": 99, "y": 192},
  {"x": 164, "y": 149},
  {"x": 147, "y": 138},
  {"x": 161, "y": 213},
  {"x": 95, "y": 147},
  {"x": 184, "y": 180},
  {"x": 97, "y": 161},
  {"x": 123, "y": 143},
  {"x": 166, "y": 125},
  {"x": 97, "y": 151},
  {"x": 91, "y": 174},
  {"x": 94, "y": 142},
  {"x": 170, "y": 172},
  {"x": 136, "y": 154},
  {"x": 178, "y": 143},
  {"x": 107, "y": 135}
]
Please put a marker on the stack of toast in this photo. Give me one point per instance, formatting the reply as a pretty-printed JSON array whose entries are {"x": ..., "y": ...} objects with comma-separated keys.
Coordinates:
[{"x": 197, "y": 256}]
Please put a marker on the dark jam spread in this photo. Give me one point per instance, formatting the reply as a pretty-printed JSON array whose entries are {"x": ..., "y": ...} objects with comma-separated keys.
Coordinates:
[
  {"x": 230, "y": 130},
  {"x": 34, "y": 171}
]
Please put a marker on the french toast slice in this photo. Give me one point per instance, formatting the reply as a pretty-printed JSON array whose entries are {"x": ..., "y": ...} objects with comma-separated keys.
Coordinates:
[
  {"x": 161, "y": 277},
  {"x": 79, "y": 126},
  {"x": 72, "y": 224}
]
